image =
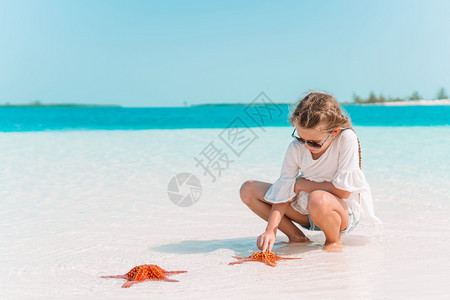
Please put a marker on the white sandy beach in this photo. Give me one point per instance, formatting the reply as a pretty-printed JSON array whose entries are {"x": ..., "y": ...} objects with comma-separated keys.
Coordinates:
[{"x": 80, "y": 204}]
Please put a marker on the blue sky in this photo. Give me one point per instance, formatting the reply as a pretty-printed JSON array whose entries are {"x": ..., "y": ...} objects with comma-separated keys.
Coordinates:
[{"x": 163, "y": 53}]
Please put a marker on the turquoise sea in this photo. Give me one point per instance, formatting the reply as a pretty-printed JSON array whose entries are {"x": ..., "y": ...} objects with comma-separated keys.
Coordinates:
[
  {"x": 84, "y": 193},
  {"x": 13, "y": 119}
]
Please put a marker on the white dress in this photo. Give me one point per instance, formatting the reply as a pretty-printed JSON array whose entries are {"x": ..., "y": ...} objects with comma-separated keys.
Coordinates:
[{"x": 339, "y": 164}]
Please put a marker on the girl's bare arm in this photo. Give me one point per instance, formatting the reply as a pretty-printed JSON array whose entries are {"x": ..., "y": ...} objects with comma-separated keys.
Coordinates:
[
  {"x": 266, "y": 240},
  {"x": 276, "y": 215}
]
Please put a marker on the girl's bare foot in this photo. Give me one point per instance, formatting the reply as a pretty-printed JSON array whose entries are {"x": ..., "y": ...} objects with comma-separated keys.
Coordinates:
[
  {"x": 299, "y": 239},
  {"x": 333, "y": 247}
]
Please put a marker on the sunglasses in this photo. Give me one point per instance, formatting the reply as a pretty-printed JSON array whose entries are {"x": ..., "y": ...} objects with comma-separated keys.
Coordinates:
[{"x": 312, "y": 144}]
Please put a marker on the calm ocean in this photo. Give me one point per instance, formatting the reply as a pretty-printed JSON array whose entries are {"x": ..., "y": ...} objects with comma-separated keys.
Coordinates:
[{"x": 208, "y": 116}]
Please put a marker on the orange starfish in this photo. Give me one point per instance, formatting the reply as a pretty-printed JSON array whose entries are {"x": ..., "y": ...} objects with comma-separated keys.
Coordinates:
[
  {"x": 143, "y": 273},
  {"x": 266, "y": 257}
]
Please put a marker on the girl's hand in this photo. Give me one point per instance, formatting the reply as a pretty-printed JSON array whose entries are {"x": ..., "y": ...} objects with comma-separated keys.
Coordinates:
[
  {"x": 265, "y": 241},
  {"x": 298, "y": 185}
]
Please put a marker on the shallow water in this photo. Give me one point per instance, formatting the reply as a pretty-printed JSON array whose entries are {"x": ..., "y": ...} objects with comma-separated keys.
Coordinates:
[
  {"x": 80, "y": 204},
  {"x": 22, "y": 119}
]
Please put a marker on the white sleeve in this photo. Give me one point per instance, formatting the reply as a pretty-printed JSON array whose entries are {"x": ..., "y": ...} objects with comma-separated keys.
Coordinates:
[
  {"x": 282, "y": 190},
  {"x": 349, "y": 176}
]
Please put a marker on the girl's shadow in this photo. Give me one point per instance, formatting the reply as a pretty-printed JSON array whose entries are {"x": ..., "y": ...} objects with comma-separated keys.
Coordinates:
[{"x": 242, "y": 246}]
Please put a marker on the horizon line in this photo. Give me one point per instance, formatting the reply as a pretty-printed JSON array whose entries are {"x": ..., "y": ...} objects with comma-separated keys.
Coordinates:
[{"x": 84, "y": 105}]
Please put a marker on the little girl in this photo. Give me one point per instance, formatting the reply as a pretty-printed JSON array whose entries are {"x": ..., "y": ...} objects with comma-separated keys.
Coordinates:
[{"x": 331, "y": 193}]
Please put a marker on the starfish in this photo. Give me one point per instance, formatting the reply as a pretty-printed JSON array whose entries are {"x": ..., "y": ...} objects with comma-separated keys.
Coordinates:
[
  {"x": 143, "y": 273},
  {"x": 266, "y": 257}
]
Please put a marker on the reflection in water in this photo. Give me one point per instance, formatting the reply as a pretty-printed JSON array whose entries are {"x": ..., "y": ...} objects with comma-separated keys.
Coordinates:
[
  {"x": 296, "y": 248},
  {"x": 242, "y": 246}
]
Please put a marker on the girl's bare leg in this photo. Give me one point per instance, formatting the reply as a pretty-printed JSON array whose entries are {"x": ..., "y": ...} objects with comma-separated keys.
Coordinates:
[
  {"x": 252, "y": 194},
  {"x": 329, "y": 213}
]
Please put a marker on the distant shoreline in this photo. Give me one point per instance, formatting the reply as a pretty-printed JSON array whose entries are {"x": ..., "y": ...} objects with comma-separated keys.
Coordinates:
[
  {"x": 444, "y": 102},
  {"x": 388, "y": 103},
  {"x": 58, "y": 105},
  {"x": 415, "y": 103}
]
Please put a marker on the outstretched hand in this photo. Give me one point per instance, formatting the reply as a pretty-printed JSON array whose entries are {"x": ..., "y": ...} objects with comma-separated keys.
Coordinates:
[{"x": 265, "y": 241}]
